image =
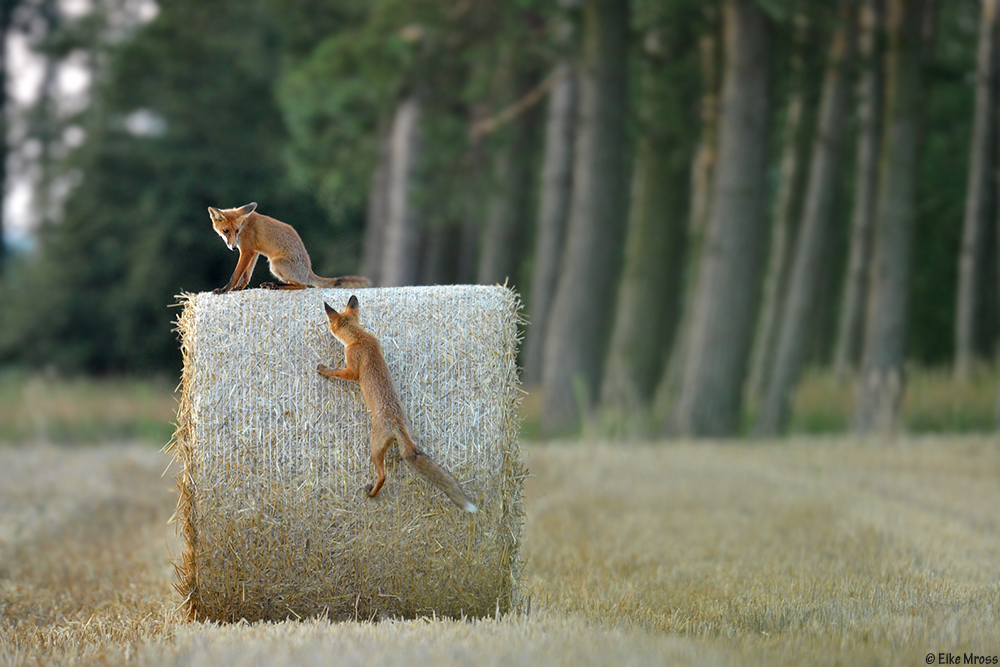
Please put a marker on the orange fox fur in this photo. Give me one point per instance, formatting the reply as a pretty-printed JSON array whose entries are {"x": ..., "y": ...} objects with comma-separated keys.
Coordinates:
[
  {"x": 255, "y": 235},
  {"x": 367, "y": 367}
]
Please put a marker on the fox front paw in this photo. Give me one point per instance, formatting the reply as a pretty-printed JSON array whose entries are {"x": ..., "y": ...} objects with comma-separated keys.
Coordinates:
[
  {"x": 368, "y": 490},
  {"x": 323, "y": 370},
  {"x": 219, "y": 290},
  {"x": 270, "y": 286}
]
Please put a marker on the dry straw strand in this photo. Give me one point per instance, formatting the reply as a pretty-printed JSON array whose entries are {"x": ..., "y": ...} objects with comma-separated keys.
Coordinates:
[{"x": 274, "y": 457}]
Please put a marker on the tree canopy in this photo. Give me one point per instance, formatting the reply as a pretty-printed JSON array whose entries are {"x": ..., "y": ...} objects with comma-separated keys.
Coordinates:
[{"x": 295, "y": 104}]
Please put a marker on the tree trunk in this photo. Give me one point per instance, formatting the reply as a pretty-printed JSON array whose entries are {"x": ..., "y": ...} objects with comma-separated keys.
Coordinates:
[
  {"x": 45, "y": 125},
  {"x": 786, "y": 205},
  {"x": 729, "y": 277},
  {"x": 497, "y": 258},
  {"x": 979, "y": 196},
  {"x": 881, "y": 384},
  {"x": 703, "y": 163},
  {"x": 647, "y": 308},
  {"x": 702, "y": 170},
  {"x": 401, "y": 255},
  {"x": 378, "y": 208},
  {"x": 852, "y": 310},
  {"x": 438, "y": 264},
  {"x": 6, "y": 19},
  {"x": 556, "y": 188},
  {"x": 507, "y": 210},
  {"x": 472, "y": 207},
  {"x": 812, "y": 246},
  {"x": 575, "y": 341}
]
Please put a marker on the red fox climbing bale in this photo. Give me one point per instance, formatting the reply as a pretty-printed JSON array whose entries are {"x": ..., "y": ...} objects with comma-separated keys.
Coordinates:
[{"x": 274, "y": 458}]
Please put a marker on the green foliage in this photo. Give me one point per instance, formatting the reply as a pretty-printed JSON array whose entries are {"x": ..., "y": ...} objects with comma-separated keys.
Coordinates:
[
  {"x": 779, "y": 10},
  {"x": 337, "y": 99},
  {"x": 332, "y": 102},
  {"x": 135, "y": 231}
]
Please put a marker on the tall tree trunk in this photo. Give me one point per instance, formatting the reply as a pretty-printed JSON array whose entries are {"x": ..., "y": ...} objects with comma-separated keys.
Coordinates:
[
  {"x": 786, "y": 205},
  {"x": 702, "y": 170},
  {"x": 812, "y": 245},
  {"x": 706, "y": 154},
  {"x": 852, "y": 310},
  {"x": 728, "y": 288},
  {"x": 647, "y": 308},
  {"x": 401, "y": 255},
  {"x": 6, "y": 20},
  {"x": 468, "y": 245},
  {"x": 575, "y": 341},
  {"x": 507, "y": 210},
  {"x": 979, "y": 196},
  {"x": 556, "y": 188},
  {"x": 378, "y": 207},
  {"x": 438, "y": 264},
  {"x": 881, "y": 384},
  {"x": 45, "y": 126},
  {"x": 497, "y": 255}
]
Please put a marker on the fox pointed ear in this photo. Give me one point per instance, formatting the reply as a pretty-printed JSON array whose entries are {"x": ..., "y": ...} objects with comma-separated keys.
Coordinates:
[
  {"x": 247, "y": 209},
  {"x": 352, "y": 303},
  {"x": 214, "y": 213},
  {"x": 329, "y": 309}
]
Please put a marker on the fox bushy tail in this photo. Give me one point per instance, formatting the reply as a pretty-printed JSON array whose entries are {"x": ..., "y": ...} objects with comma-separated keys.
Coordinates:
[
  {"x": 343, "y": 281},
  {"x": 434, "y": 473}
]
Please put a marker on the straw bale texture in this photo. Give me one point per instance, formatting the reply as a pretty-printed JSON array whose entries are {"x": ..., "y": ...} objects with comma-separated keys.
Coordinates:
[{"x": 275, "y": 457}]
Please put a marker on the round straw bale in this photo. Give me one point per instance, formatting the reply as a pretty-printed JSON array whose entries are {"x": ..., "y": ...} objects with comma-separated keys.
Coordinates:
[{"x": 274, "y": 458}]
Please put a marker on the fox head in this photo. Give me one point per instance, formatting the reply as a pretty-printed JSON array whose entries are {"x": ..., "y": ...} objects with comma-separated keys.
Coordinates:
[
  {"x": 342, "y": 324},
  {"x": 229, "y": 222}
]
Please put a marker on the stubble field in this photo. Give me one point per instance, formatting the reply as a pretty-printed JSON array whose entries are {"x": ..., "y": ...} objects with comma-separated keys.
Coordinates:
[{"x": 807, "y": 551}]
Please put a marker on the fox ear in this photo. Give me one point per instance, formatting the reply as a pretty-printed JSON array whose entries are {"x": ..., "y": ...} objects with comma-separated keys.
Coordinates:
[
  {"x": 329, "y": 309},
  {"x": 247, "y": 209},
  {"x": 214, "y": 213},
  {"x": 352, "y": 303}
]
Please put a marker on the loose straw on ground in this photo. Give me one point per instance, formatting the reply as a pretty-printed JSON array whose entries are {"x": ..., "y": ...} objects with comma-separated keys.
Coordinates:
[{"x": 275, "y": 457}]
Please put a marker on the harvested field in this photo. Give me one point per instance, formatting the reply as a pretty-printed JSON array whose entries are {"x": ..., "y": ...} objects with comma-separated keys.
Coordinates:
[{"x": 819, "y": 551}]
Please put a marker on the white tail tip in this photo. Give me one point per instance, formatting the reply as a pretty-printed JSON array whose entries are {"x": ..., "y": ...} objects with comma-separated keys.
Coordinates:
[{"x": 471, "y": 508}]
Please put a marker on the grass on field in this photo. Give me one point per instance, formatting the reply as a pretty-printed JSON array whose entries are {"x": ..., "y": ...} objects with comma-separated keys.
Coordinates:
[
  {"x": 50, "y": 409},
  {"x": 808, "y": 551}
]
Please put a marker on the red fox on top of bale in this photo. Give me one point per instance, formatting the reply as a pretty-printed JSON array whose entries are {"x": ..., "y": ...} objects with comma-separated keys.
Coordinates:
[{"x": 255, "y": 235}]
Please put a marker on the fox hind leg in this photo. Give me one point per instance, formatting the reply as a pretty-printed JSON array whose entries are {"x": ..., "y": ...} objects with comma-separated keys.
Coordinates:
[
  {"x": 373, "y": 489},
  {"x": 291, "y": 273},
  {"x": 380, "y": 443}
]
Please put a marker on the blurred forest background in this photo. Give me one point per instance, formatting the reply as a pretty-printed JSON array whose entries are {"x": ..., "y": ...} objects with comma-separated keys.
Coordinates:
[{"x": 732, "y": 217}]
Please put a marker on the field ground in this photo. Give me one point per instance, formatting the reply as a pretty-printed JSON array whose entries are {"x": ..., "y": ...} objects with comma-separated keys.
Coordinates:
[{"x": 807, "y": 551}]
